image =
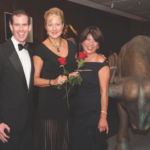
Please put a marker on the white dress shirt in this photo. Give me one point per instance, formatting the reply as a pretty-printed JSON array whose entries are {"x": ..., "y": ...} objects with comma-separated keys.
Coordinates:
[{"x": 24, "y": 59}]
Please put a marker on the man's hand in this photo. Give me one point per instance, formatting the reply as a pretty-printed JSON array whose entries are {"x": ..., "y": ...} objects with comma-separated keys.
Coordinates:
[{"x": 3, "y": 136}]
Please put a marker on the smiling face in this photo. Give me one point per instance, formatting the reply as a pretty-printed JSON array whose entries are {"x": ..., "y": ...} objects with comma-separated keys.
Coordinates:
[
  {"x": 20, "y": 28},
  {"x": 90, "y": 45},
  {"x": 54, "y": 26}
]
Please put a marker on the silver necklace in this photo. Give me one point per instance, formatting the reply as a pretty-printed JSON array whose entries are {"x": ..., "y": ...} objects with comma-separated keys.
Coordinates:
[
  {"x": 57, "y": 47},
  {"x": 90, "y": 57}
]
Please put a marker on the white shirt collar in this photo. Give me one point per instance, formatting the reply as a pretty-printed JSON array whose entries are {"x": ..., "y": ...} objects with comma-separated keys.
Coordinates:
[{"x": 14, "y": 40}]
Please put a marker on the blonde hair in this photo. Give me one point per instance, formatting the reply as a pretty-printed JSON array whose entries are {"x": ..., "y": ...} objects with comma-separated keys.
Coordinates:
[{"x": 54, "y": 12}]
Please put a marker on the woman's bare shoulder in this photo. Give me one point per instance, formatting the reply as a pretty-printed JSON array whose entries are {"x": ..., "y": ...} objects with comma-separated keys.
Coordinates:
[{"x": 100, "y": 58}]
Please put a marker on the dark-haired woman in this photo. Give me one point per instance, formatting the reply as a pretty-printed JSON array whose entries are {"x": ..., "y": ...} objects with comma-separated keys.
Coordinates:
[{"x": 90, "y": 118}]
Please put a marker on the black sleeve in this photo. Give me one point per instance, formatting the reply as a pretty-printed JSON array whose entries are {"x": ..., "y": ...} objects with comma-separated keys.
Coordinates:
[
  {"x": 39, "y": 51},
  {"x": 105, "y": 63}
]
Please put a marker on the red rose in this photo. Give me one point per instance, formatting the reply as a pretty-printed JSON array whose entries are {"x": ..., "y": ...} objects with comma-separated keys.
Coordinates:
[
  {"x": 62, "y": 60},
  {"x": 82, "y": 55}
]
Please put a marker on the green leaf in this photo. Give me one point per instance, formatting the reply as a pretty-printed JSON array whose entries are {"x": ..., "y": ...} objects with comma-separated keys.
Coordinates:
[
  {"x": 76, "y": 81},
  {"x": 66, "y": 72},
  {"x": 81, "y": 63},
  {"x": 71, "y": 77},
  {"x": 71, "y": 80},
  {"x": 79, "y": 80},
  {"x": 59, "y": 87}
]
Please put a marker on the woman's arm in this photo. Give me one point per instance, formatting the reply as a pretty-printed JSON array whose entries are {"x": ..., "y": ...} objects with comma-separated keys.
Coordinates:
[
  {"x": 40, "y": 82},
  {"x": 104, "y": 75}
]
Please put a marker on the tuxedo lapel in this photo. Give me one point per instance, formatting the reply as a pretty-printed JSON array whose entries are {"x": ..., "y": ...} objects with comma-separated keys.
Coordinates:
[
  {"x": 32, "y": 70},
  {"x": 16, "y": 62}
]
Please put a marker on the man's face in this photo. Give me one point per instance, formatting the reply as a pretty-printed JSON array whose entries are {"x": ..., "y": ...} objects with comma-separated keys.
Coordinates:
[{"x": 20, "y": 28}]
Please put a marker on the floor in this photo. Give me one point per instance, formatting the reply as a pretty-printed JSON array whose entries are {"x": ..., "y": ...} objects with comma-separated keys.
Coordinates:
[{"x": 138, "y": 141}]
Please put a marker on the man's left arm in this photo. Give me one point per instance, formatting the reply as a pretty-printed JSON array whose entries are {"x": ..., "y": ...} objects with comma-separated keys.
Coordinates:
[
  {"x": 3, "y": 126},
  {"x": 1, "y": 71}
]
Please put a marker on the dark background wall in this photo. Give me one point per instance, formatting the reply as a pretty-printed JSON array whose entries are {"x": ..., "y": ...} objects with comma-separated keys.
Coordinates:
[{"x": 117, "y": 30}]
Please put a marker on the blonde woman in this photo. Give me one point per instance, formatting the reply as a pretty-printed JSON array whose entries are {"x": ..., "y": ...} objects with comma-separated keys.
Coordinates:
[{"x": 53, "y": 109}]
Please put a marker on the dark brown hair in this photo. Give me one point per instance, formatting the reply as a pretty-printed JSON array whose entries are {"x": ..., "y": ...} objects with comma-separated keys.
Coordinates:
[
  {"x": 18, "y": 13},
  {"x": 96, "y": 34}
]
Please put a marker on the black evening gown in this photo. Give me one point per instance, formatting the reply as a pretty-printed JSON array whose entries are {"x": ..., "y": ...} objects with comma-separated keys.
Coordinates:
[
  {"x": 86, "y": 135},
  {"x": 53, "y": 111}
]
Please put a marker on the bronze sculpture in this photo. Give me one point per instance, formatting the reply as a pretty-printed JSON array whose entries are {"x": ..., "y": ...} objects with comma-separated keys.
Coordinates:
[{"x": 131, "y": 86}]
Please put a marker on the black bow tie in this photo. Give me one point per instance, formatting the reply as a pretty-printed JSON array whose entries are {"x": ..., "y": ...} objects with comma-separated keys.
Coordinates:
[{"x": 26, "y": 46}]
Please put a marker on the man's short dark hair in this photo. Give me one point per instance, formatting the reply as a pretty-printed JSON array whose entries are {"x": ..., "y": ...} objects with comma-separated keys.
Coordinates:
[{"x": 18, "y": 13}]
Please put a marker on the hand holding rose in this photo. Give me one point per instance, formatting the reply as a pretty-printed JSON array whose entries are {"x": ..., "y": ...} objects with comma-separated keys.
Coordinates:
[
  {"x": 59, "y": 80},
  {"x": 77, "y": 79},
  {"x": 74, "y": 77}
]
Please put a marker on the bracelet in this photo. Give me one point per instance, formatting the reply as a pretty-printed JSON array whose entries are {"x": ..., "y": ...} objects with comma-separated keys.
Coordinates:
[
  {"x": 104, "y": 112},
  {"x": 49, "y": 82}
]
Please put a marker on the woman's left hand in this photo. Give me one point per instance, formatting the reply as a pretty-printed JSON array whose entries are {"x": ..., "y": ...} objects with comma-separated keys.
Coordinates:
[{"x": 103, "y": 125}]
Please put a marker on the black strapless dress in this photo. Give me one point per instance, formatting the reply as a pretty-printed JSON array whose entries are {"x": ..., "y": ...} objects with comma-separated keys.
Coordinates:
[{"x": 86, "y": 135}]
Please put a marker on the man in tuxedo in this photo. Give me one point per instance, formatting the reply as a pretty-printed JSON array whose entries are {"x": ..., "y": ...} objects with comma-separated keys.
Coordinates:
[{"x": 16, "y": 87}]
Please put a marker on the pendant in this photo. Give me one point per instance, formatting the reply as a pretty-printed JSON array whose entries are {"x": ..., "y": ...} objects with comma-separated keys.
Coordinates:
[{"x": 58, "y": 50}]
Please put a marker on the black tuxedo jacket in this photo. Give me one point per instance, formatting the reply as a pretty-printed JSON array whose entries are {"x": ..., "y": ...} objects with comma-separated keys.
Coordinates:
[{"x": 16, "y": 106}]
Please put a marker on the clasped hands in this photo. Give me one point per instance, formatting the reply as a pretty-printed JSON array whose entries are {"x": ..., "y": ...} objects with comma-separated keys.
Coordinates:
[
  {"x": 62, "y": 79},
  {"x": 3, "y": 136}
]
